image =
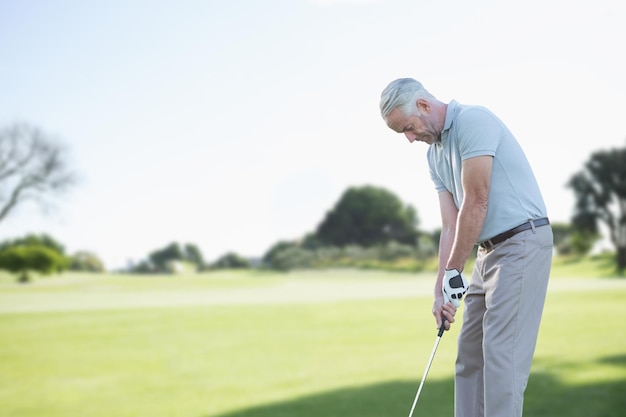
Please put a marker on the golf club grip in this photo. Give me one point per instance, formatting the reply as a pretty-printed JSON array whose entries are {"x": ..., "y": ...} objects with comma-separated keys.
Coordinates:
[{"x": 443, "y": 326}]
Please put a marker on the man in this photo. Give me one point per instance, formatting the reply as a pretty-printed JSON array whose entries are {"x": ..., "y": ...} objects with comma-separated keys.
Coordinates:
[{"x": 488, "y": 196}]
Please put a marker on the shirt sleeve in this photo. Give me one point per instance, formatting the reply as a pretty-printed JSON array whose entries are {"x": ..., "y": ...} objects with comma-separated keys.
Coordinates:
[
  {"x": 479, "y": 133},
  {"x": 434, "y": 176},
  {"x": 437, "y": 181}
]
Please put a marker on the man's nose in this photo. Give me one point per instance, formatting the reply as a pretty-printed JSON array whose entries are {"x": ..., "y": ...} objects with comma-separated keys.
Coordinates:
[{"x": 410, "y": 136}]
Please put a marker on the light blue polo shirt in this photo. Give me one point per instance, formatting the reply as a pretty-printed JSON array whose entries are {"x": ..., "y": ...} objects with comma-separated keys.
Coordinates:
[{"x": 471, "y": 131}]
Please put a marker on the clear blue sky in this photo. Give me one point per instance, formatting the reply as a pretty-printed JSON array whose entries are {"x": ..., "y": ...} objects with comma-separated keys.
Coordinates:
[{"x": 235, "y": 124}]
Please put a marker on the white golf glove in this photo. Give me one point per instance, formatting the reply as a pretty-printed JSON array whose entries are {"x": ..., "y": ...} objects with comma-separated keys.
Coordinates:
[{"x": 454, "y": 286}]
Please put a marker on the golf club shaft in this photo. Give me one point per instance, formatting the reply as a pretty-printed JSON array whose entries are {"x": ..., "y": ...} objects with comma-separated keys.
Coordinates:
[{"x": 430, "y": 361}]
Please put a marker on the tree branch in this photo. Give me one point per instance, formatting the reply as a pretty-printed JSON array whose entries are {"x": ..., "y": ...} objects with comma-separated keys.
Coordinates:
[{"x": 31, "y": 165}]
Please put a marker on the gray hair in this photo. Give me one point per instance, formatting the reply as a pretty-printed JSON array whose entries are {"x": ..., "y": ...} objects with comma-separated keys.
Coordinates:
[{"x": 403, "y": 93}]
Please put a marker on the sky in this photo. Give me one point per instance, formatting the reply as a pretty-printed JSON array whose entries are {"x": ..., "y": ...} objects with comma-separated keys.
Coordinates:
[{"x": 236, "y": 124}]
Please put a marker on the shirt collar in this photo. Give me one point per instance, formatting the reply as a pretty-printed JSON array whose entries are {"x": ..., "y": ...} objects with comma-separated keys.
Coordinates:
[{"x": 451, "y": 112}]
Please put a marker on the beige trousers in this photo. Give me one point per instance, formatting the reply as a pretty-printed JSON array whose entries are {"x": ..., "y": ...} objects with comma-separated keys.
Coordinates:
[{"x": 503, "y": 308}]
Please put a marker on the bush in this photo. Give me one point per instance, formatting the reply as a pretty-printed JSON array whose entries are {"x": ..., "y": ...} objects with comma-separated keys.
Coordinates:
[
  {"x": 231, "y": 261},
  {"x": 293, "y": 258},
  {"x": 23, "y": 260},
  {"x": 428, "y": 245},
  {"x": 393, "y": 251},
  {"x": 35, "y": 240},
  {"x": 86, "y": 261},
  {"x": 578, "y": 243},
  {"x": 269, "y": 259},
  {"x": 395, "y": 256}
]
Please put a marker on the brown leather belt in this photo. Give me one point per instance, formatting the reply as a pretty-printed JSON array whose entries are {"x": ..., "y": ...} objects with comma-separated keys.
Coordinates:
[{"x": 490, "y": 243}]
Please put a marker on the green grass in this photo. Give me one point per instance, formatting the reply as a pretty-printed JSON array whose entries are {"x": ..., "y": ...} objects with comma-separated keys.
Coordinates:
[
  {"x": 63, "y": 355},
  {"x": 602, "y": 265}
]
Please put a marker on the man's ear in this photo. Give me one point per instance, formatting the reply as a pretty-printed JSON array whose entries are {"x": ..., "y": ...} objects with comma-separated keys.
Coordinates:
[{"x": 423, "y": 105}]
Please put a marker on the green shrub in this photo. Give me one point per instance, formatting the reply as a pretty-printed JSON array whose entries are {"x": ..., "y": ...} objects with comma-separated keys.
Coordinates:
[
  {"x": 86, "y": 261},
  {"x": 23, "y": 260},
  {"x": 293, "y": 258},
  {"x": 231, "y": 261}
]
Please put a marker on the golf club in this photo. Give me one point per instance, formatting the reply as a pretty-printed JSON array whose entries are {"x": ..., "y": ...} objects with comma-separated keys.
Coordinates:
[{"x": 430, "y": 361}]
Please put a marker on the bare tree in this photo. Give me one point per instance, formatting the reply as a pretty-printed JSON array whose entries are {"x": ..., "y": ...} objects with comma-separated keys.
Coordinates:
[{"x": 32, "y": 167}]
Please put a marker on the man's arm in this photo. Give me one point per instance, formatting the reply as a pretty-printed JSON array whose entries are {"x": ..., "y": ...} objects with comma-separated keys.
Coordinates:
[
  {"x": 460, "y": 228},
  {"x": 449, "y": 214},
  {"x": 475, "y": 179}
]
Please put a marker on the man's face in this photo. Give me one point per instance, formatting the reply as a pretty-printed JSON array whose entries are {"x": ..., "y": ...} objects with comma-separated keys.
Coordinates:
[{"x": 418, "y": 126}]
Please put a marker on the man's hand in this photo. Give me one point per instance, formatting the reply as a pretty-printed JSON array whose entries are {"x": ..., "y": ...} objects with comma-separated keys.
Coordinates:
[
  {"x": 441, "y": 309},
  {"x": 453, "y": 287}
]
